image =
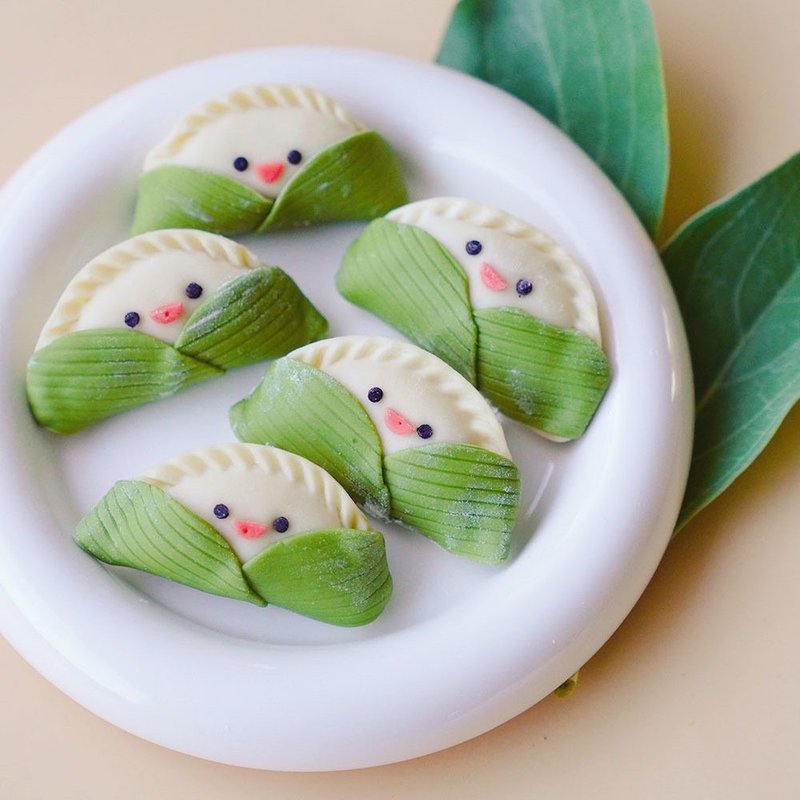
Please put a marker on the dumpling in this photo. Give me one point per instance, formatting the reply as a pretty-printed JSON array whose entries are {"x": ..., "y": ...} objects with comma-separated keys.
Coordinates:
[
  {"x": 264, "y": 157},
  {"x": 405, "y": 434},
  {"x": 250, "y": 523},
  {"x": 493, "y": 296},
  {"x": 157, "y": 313}
]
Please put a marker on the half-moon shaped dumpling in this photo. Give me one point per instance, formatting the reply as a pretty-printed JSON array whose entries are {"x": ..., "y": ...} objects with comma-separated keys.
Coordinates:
[
  {"x": 248, "y": 522},
  {"x": 157, "y": 313},
  {"x": 267, "y": 156},
  {"x": 496, "y": 298},
  {"x": 406, "y": 435}
]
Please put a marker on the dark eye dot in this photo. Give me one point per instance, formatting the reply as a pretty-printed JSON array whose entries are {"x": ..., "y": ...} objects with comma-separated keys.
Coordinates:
[
  {"x": 524, "y": 287},
  {"x": 375, "y": 394},
  {"x": 240, "y": 164},
  {"x": 294, "y": 156},
  {"x": 474, "y": 247},
  {"x": 424, "y": 431},
  {"x": 221, "y": 511},
  {"x": 194, "y": 290},
  {"x": 280, "y": 524},
  {"x": 131, "y": 319}
]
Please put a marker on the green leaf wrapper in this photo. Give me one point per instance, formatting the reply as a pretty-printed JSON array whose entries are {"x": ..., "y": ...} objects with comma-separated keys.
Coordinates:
[
  {"x": 258, "y": 316},
  {"x": 384, "y": 261},
  {"x": 139, "y": 525},
  {"x": 336, "y": 576},
  {"x": 736, "y": 274},
  {"x": 86, "y": 376},
  {"x": 304, "y": 410},
  {"x": 172, "y": 196},
  {"x": 358, "y": 178},
  {"x": 462, "y": 497},
  {"x": 590, "y": 66},
  {"x": 548, "y": 377}
]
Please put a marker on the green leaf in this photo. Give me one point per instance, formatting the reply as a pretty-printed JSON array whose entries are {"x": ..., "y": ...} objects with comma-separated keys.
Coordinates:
[
  {"x": 336, "y": 576},
  {"x": 462, "y": 497},
  {"x": 550, "y": 378},
  {"x": 590, "y": 66},
  {"x": 304, "y": 410},
  {"x": 86, "y": 376},
  {"x": 359, "y": 178},
  {"x": 403, "y": 275},
  {"x": 735, "y": 268},
  {"x": 183, "y": 197},
  {"x": 139, "y": 525},
  {"x": 258, "y": 316}
]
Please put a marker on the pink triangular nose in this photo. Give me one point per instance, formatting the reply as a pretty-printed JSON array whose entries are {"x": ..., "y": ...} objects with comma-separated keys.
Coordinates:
[
  {"x": 397, "y": 423},
  {"x": 491, "y": 278},
  {"x": 167, "y": 313},
  {"x": 269, "y": 172},
  {"x": 249, "y": 530}
]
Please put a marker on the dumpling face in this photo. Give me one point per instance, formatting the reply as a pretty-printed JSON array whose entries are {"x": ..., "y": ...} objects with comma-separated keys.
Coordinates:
[
  {"x": 261, "y": 148},
  {"x": 157, "y": 295},
  {"x": 412, "y": 397},
  {"x": 253, "y": 496},
  {"x": 259, "y": 136},
  {"x": 508, "y": 263},
  {"x": 151, "y": 284}
]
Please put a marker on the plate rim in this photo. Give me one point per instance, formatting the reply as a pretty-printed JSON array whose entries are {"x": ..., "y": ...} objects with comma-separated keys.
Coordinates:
[{"x": 105, "y": 696}]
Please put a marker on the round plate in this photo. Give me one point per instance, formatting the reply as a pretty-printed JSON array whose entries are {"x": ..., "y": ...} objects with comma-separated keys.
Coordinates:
[{"x": 462, "y": 647}]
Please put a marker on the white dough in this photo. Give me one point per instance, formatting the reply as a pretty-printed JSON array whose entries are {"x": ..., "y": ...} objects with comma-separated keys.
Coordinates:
[
  {"x": 143, "y": 274},
  {"x": 515, "y": 250},
  {"x": 261, "y": 124},
  {"x": 258, "y": 484},
  {"x": 417, "y": 385},
  {"x": 149, "y": 284}
]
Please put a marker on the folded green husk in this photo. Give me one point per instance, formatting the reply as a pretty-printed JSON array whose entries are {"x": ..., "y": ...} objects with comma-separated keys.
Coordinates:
[
  {"x": 404, "y": 276},
  {"x": 550, "y": 378},
  {"x": 172, "y": 196},
  {"x": 304, "y": 410},
  {"x": 140, "y": 526},
  {"x": 462, "y": 497},
  {"x": 258, "y": 316},
  {"x": 86, "y": 376},
  {"x": 358, "y": 178},
  {"x": 336, "y": 576}
]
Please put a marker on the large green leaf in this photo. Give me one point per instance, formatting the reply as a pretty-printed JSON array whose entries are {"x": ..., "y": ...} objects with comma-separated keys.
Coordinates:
[
  {"x": 590, "y": 66},
  {"x": 735, "y": 268}
]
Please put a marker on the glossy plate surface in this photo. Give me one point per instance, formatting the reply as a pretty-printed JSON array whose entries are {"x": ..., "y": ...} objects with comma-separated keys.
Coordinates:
[{"x": 462, "y": 647}]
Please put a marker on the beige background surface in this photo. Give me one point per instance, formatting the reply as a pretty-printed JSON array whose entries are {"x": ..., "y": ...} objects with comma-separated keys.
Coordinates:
[{"x": 696, "y": 696}]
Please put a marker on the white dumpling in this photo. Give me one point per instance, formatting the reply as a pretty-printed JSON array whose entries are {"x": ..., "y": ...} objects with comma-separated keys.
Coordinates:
[
  {"x": 508, "y": 262},
  {"x": 259, "y": 136},
  {"x": 151, "y": 283},
  {"x": 254, "y": 495},
  {"x": 412, "y": 397}
]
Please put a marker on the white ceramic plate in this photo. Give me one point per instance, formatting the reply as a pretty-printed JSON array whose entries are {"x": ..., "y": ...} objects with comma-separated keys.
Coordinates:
[{"x": 462, "y": 647}]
